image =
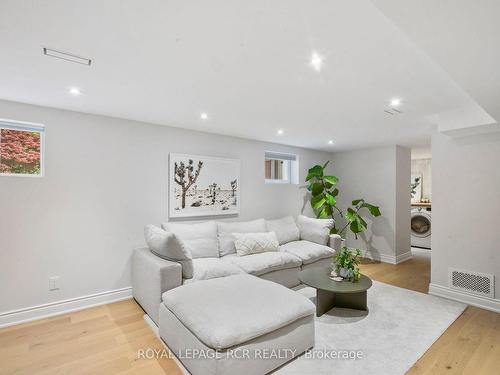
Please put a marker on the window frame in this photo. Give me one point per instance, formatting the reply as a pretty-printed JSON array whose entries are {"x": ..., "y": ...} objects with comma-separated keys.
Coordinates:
[
  {"x": 26, "y": 126},
  {"x": 291, "y": 160}
]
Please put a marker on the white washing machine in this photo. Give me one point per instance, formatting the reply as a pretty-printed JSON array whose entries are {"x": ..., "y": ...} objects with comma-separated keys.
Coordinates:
[{"x": 421, "y": 228}]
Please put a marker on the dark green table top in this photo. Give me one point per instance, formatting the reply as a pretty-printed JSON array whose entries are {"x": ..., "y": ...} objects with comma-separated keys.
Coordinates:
[{"x": 318, "y": 278}]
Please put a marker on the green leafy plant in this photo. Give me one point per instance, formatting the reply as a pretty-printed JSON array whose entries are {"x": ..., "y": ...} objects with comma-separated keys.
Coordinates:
[
  {"x": 346, "y": 264},
  {"x": 324, "y": 202},
  {"x": 414, "y": 185}
]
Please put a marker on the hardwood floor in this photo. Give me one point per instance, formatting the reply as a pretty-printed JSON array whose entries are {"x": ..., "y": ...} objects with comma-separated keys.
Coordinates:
[
  {"x": 99, "y": 340},
  {"x": 414, "y": 274},
  {"x": 106, "y": 339},
  {"x": 471, "y": 345}
]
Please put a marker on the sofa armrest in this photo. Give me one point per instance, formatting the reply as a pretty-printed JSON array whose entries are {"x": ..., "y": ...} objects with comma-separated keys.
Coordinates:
[
  {"x": 151, "y": 277},
  {"x": 335, "y": 242}
]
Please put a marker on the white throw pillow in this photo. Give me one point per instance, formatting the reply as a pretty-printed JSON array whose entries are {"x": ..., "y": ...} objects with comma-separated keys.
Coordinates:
[
  {"x": 225, "y": 232},
  {"x": 199, "y": 238},
  {"x": 254, "y": 243},
  {"x": 167, "y": 246},
  {"x": 286, "y": 230},
  {"x": 314, "y": 230}
]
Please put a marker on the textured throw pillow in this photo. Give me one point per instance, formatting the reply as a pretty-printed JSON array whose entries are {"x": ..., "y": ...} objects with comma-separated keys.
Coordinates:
[
  {"x": 226, "y": 229},
  {"x": 199, "y": 238},
  {"x": 286, "y": 230},
  {"x": 314, "y": 230},
  {"x": 254, "y": 243},
  {"x": 167, "y": 246}
]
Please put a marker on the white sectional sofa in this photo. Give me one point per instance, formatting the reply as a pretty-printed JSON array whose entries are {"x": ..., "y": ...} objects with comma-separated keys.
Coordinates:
[
  {"x": 214, "y": 287},
  {"x": 211, "y": 246},
  {"x": 232, "y": 322}
]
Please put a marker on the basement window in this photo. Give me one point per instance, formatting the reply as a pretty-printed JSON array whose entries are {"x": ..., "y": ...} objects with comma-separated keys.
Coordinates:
[
  {"x": 281, "y": 168},
  {"x": 21, "y": 149}
]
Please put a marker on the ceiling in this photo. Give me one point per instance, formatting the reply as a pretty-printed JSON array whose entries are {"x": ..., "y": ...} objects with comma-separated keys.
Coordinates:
[
  {"x": 463, "y": 37},
  {"x": 247, "y": 65}
]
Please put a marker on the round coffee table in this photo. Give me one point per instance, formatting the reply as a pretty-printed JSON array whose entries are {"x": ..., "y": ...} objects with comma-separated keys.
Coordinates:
[{"x": 331, "y": 293}]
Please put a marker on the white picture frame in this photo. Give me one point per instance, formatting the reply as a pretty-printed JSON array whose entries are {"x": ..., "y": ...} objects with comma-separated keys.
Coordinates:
[{"x": 215, "y": 175}]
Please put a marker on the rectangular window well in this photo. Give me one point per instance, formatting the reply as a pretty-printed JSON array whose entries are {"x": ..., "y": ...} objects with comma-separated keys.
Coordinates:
[
  {"x": 281, "y": 168},
  {"x": 21, "y": 148}
]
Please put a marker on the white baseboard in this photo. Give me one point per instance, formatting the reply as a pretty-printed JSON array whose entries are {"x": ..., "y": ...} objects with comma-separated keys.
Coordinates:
[
  {"x": 29, "y": 314},
  {"x": 403, "y": 257},
  {"x": 468, "y": 298},
  {"x": 391, "y": 259},
  {"x": 152, "y": 325}
]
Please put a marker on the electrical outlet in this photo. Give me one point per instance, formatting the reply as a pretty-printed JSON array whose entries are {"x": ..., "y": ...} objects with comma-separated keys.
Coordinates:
[{"x": 54, "y": 283}]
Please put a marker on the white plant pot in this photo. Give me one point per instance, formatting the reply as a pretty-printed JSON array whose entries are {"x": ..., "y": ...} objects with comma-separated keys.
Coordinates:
[{"x": 344, "y": 272}]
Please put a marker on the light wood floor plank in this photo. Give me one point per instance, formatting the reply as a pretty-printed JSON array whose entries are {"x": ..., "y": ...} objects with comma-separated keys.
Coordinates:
[
  {"x": 471, "y": 345},
  {"x": 105, "y": 339}
]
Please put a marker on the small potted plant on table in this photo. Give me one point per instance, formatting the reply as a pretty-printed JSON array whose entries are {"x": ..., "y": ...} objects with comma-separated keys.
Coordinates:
[{"x": 345, "y": 263}]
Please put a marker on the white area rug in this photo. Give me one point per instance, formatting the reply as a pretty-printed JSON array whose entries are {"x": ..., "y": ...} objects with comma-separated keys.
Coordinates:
[{"x": 400, "y": 326}]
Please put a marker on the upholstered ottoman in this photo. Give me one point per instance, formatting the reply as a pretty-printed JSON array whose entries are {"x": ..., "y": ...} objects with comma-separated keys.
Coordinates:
[{"x": 238, "y": 324}]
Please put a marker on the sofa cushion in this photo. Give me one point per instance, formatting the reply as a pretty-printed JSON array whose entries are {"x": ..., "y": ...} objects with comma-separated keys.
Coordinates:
[
  {"x": 286, "y": 229},
  {"x": 307, "y": 251},
  {"x": 167, "y": 246},
  {"x": 232, "y": 310},
  {"x": 211, "y": 268},
  {"x": 199, "y": 238},
  {"x": 314, "y": 230},
  {"x": 225, "y": 232},
  {"x": 259, "y": 264},
  {"x": 254, "y": 243}
]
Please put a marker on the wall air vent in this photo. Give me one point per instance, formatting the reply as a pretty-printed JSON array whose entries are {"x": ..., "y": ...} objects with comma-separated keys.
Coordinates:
[
  {"x": 472, "y": 282},
  {"x": 66, "y": 56}
]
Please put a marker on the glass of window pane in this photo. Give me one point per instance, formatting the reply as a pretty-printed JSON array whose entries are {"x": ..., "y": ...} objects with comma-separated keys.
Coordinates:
[
  {"x": 276, "y": 169},
  {"x": 20, "y": 152}
]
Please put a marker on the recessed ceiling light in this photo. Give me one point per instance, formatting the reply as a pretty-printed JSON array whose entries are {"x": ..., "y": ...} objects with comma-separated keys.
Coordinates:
[
  {"x": 203, "y": 116},
  {"x": 395, "y": 102},
  {"x": 75, "y": 91},
  {"x": 330, "y": 142},
  {"x": 280, "y": 131},
  {"x": 316, "y": 61}
]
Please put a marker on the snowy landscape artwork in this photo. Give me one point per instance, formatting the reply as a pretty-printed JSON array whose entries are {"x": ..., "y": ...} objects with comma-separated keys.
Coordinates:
[{"x": 203, "y": 186}]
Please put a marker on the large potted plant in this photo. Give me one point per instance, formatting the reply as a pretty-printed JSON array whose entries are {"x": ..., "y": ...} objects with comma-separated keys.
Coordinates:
[{"x": 324, "y": 203}]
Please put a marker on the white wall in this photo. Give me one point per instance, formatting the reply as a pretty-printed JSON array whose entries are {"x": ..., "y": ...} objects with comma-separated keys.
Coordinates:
[
  {"x": 403, "y": 198},
  {"x": 466, "y": 206},
  {"x": 378, "y": 175},
  {"x": 106, "y": 178},
  {"x": 424, "y": 152}
]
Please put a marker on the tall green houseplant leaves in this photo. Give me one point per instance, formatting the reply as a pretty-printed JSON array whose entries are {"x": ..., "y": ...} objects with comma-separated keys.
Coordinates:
[{"x": 324, "y": 202}]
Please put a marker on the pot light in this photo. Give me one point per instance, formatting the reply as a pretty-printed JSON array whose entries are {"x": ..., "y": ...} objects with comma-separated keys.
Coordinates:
[
  {"x": 395, "y": 102},
  {"x": 75, "y": 91},
  {"x": 280, "y": 132},
  {"x": 330, "y": 142},
  {"x": 204, "y": 116},
  {"x": 316, "y": 61}
]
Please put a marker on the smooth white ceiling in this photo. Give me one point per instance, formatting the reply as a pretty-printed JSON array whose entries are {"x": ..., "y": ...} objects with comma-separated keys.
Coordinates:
[
  {"x": 244, "y": 63},
  {"x": 463, "y": 37}
]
